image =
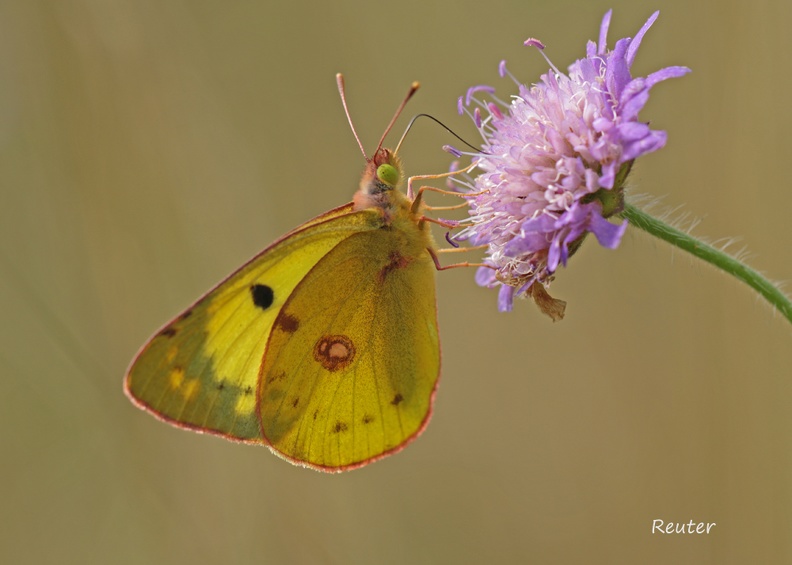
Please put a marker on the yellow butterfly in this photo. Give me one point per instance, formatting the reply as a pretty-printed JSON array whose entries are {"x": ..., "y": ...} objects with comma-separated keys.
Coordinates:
[{"x": 323, "y": 347}]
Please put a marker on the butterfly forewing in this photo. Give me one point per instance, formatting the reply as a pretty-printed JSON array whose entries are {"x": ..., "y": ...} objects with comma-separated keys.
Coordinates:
[{"x": 201, "y": 370}]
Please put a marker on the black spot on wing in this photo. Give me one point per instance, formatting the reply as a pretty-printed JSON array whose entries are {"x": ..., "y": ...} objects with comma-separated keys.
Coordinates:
[
  {"x": 340, "y": 427},
  {"x": 276, "y": 377},
  {"x": 397, "y": 399},
  {"x": 168, "y": 332},
  {"x": 287, "y": 323},
  {"x": 368, "y": 418},
  {"x": 395, "y": 261},
  {"x": 262, "y": 295}
]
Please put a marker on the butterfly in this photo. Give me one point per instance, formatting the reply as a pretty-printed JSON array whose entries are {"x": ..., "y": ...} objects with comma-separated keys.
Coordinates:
[{"x": 323, "y": 347}]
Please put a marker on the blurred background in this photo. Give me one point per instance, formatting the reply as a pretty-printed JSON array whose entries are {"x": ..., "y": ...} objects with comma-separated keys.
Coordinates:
[{"x": 148, "y": 148}]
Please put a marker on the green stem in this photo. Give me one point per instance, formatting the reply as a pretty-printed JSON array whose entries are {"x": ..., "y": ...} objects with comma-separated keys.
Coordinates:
[{"x": 722, "y": 260}]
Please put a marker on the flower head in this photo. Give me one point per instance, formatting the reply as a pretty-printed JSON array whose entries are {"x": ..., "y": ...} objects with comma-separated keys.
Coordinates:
[{"x": 553, "y": 164}]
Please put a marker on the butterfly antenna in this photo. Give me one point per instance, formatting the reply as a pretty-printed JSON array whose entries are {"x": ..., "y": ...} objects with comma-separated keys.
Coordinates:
[
  {"x": 342, "y": 92},
  {"x": 445, "y": 127},
  {"x": 413, "y": 87}
]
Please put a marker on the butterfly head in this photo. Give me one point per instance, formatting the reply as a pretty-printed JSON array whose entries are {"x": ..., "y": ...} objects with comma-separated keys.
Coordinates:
[
  {"x": 383, "y": 174},
  {"x": 387, "y": 171}
]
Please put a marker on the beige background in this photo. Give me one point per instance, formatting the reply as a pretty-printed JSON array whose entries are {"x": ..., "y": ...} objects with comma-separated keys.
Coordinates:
[{"x": 149, "y": 147}]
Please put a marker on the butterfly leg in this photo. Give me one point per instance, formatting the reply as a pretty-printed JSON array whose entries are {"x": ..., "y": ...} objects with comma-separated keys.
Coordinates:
[
  {"x": 444, "y": 208},
  {"x": 440, "y": 267},
  {"x": 416, "y": 203},
  {"x": 411, "y": 195}
]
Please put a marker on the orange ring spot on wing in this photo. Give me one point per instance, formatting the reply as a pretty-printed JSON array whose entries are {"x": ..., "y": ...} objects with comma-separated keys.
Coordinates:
[{"x": 334, "y": 352}]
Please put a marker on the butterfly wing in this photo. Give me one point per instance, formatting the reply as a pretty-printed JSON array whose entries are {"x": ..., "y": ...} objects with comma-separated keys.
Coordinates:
[
  {"x": 201, "y": 370},
  {"x": 353, "y": 359}
]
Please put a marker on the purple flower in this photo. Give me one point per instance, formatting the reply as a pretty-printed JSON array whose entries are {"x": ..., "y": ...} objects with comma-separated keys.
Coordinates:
[{"x": 553, "y": 165}]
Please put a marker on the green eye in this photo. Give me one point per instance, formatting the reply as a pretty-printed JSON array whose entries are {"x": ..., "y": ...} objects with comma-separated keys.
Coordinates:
[{"x": 388, "y": 174}]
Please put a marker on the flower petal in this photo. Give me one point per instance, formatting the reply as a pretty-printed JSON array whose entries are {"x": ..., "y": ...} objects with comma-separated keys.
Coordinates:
[
  {"x": 505, "y": 298},
  {"x": 617, "y": 74},
  {"x": 608, "y": 235},
  {"x": 603, "y": 36},
  {"x": 663, "y": 74},
  {"x": 636, "y": 42}
]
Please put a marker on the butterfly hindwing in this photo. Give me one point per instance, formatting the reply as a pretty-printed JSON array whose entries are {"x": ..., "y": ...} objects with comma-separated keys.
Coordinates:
[
  {"x": 353, "y": 359},
  {"x": 201, "y": 370}
]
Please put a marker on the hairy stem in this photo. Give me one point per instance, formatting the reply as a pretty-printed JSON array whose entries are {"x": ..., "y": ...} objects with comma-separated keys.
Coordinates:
[{"x": 714, "y": 256}]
